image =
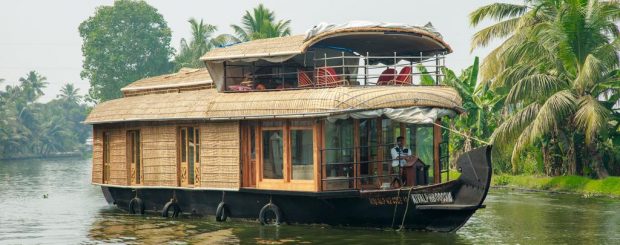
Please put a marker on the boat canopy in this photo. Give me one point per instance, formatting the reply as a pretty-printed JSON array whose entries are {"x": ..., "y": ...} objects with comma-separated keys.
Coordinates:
[
  {"x": 414, "y": 104},
  {"x": 382, "y": 41}
]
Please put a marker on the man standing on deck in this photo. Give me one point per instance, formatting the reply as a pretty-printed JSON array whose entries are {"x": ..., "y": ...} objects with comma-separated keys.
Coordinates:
[{"x": 399, "y": 152}]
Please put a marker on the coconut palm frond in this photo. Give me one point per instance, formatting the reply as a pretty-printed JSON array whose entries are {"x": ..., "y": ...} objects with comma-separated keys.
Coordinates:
[
  {"x": 510, "y": 129},
  {"x": 241, "y": 33},
  {"x": 591, "y": 73},
  {"x": 282, "y": 28},
  {"x": 591, "y": 117},
  {"x": 511, "y": 75},
  {"x": 556, "y": 108},
  {"x": 496, "y": 11},
  {"x": 499, "y": 30},
  {"x": 493, "y": 63},
  {"x": 535, "y": 86}
]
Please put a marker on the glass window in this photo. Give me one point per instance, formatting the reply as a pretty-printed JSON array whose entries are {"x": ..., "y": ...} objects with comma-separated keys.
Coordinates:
[
  {"x": 339, "y": 149},
  {"x": 368, "y": 146},
  {"x": 190, "y": 155},
  {"x": 390, "y": 131},
  {"x": 133, "y": 145},
  {"x": 197, "y": 143},
  {"x": 424, "y": 144},
  {"x": 183, "y": 145},
  {"x": 272, "y": 154},
  {"x": 302, "y": 154}
]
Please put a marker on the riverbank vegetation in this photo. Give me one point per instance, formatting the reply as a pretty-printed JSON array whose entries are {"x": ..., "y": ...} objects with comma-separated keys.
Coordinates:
[
  {"x": 609, "y": 186},
  {"x": 556, "y": 76},
  {"x": 32, "y": 129}
]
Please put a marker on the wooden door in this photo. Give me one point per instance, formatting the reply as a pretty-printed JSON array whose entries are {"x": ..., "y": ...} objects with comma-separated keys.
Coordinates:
[
  {"x": 189, "y": 160},
  {"x": 248, "y": 154},
  {"x": 134, "y": 157},
  {"x": 106, "y": 157}
]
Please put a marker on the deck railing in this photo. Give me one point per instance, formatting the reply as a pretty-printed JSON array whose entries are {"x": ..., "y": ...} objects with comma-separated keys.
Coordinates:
[
  {"x": 333, "y": 71},
  {"x": 343, "y": 168}
]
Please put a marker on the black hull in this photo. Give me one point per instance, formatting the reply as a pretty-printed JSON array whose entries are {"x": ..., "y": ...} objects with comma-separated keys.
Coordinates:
[{"x": 443, "y": 207}]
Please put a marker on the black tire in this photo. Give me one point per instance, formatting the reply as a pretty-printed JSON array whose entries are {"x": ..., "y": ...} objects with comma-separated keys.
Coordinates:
[
  {"x": 136, "y": 203},
  {"x": 266, "y": 219},
  {"x": 221, "y": 214},
  {"x": 176, "y": 210}
]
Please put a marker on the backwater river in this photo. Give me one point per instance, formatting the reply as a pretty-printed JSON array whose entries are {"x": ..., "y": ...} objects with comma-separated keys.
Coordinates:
[{"x": 51, "y": 201}]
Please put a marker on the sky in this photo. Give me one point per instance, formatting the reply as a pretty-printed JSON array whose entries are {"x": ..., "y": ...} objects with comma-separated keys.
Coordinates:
[{"x": 43, "y": 35}]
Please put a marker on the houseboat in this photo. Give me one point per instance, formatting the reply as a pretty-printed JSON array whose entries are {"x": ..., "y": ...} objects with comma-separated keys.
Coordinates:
[{"x": 296, "y": 129}]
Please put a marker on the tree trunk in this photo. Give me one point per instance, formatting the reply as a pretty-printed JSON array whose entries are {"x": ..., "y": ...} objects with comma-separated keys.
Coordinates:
[
  {"x": 554, "y": 153},
  {"x": 571, "y": 160},
  {"x": 547, "y": 159},
  {"x": 597, "y": 161}
]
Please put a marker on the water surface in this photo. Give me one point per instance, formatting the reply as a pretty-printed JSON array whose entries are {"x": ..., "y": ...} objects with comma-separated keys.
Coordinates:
[{"x": 75, "y": 212}]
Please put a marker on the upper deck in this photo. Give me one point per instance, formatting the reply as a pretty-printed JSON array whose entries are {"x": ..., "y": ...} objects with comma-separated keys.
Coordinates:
[{"x": 354, "y": 54}]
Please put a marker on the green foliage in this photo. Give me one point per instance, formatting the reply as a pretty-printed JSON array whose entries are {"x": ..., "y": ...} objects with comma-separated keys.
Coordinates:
[
  {"x": 260, "y": 24},
  {"x": 482, "y": 110},
  {"x": 558, "y": 58},
  {"x": 28, "y": 128},
  {"x": 121, "y": 44},
  {"x": 575, "y": 184}
]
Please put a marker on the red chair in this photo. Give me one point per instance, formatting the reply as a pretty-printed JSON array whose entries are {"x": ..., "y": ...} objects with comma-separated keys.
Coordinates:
[
  {"x": 403, "y": 78},
  {"x": 303, "y": 80},
  {"x": 386, "y": 76},
  {"x": 328, "y": 77}
]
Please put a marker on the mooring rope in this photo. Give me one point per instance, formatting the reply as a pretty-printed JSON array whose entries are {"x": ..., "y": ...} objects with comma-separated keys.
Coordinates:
[
  {"x": 402, "y": 223},
  {"x": 395, "y": 206},
  {"x": 462, "y": 134}
]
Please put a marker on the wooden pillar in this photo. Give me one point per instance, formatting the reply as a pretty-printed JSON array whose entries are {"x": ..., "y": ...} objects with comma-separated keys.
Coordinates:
[
  {"x": 380, "y": 145},
  {"x": 323, "y": 168},
  {"x": 356, "y": 152},
  {"x": 318, "y": 158},
  {"x": 286, "y": 143},
  {"x": 436, "y": 160}
]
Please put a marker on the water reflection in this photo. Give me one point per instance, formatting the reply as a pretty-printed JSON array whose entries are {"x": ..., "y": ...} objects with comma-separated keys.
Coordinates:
[{"x": 75, "y": 212}]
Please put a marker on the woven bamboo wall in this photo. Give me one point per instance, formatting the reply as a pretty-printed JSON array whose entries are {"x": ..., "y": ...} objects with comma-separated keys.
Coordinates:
[
  {"x": 97, "y": 173},
  {"x": 118, "y": 157},
  {"x": 159, "y": 155},
  {"x": 220, "y": 155}
]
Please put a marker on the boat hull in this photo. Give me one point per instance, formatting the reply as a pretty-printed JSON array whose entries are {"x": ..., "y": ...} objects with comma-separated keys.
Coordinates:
[
  {"x": 347, "y": 208},
  {"x": 443, "y": 207}
]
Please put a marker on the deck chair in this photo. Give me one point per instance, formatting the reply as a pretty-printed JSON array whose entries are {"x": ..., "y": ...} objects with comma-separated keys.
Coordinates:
[
  {"x": 303, "y": 80},
  {"x": 328, "y": 77},
  {"x": 386, "y": 76},
  {"x": 403, "y": 78}
]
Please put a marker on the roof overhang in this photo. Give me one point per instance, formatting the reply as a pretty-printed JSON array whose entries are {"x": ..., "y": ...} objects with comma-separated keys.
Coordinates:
[{"x": 408, "y": 40}]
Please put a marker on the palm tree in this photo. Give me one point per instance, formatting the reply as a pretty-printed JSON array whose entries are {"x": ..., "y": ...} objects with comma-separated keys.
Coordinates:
[
  {"x": 69, "y": 93},
  {"x": 33, "y": 85},
  {"x": 555, "y": 59},
  {"x": 261, "y": 24},
  {"x": 190, "y": 52}
]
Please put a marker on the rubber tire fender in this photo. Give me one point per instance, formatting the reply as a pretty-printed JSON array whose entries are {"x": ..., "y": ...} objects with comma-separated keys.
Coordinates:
[
  {"x": 221, "y": 213},
  {"x": 273, "y": 208},
  {"x": 176, "y": 210},
  {"x": 136, "y": 203}
]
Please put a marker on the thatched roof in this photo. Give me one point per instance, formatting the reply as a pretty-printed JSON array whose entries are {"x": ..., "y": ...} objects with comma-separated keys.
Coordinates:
[
  {"x": 293, "y": 45},
  {"x": 289, "y": 45},
  {"x": 185, "y": 78},
  {"x": 208, "y": 104}
]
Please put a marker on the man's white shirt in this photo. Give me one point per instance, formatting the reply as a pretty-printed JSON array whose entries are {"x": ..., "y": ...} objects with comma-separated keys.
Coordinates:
[{"x": 395, "y": 154}]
